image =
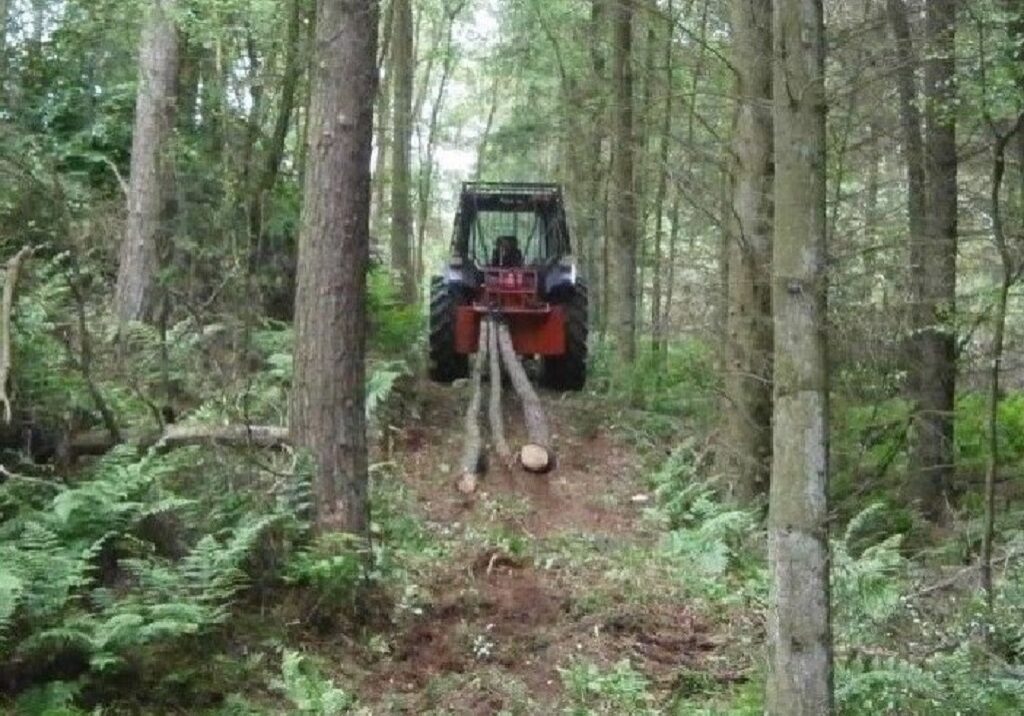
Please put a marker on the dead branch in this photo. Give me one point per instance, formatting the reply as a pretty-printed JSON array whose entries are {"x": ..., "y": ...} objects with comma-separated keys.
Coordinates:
[
  {"x": 6, "y": 348},
  {"x": 99, "y": 442},
  {"x": 472, "y": 452},
  {"x": 535, "y": 455},
  {"x": 496, "y": 419}
]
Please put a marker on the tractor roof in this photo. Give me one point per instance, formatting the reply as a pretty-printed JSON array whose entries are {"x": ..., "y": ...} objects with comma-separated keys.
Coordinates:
[{"x": 511, "y": 196}]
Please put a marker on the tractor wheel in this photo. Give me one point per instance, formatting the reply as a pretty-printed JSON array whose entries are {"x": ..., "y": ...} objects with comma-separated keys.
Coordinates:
[
  {"x": 569, "y": 371},
  {"x": 445, "y": 364}
]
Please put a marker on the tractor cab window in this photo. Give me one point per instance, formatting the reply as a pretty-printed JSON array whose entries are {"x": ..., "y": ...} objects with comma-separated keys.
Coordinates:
[{"x": 509, "y": 239}]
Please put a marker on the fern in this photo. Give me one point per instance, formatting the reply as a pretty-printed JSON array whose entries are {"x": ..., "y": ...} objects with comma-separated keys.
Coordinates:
[{"x": 308, "y": 690}]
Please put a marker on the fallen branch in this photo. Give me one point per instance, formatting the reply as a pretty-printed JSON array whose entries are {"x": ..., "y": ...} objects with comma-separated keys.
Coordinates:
[
  {"x": 472, "y": 452},
  {"x": 99, "y": 442},
  {"x": 6, "y": 349},
  {"x": 496, "y": 419},
  {"x": 536, "y": 455}
]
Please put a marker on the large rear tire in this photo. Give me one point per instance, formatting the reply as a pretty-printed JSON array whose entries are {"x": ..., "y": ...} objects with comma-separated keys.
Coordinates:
[
  {"x": 569, "y": 371},
  {"x": 445, "y": 364}
]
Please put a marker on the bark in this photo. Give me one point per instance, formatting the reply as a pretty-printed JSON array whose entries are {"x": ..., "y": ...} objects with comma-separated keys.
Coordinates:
[
  {"x": 472, "y": 464},
  {"x": 497, "y": 420},
  {"x": 403, "y": 70},
  {"x": 535, "y": 455},
  {"x": 934, "y": 367},
  {"x": 150, "y": 194},
  {"x": 6, "y": 344},
  {"x": 745, "y": 452},
  {"x": 328, "y": 396},
  {"x": 623, "y": 279},
  {"x": 799, "y": 638}
]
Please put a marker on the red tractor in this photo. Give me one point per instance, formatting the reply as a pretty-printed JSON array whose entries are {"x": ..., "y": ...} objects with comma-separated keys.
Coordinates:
[{"x": 511, "y": 259}]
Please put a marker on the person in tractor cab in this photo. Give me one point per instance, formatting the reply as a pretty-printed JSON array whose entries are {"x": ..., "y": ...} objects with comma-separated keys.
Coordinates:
[{"x": 506, "y": 253}]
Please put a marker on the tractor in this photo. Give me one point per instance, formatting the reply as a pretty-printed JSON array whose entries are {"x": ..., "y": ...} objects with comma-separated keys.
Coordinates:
[{"x": 511, "y": 259}]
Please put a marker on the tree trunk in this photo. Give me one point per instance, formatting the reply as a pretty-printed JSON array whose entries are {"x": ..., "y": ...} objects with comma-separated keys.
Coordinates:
[
  {"x": 150, "y": 192},
  {"x": 383, "y": 126},
  {"x": 495, "y": 414},
  {"x": 4, "y": 16},
  {"x": 623, "y": 278},
  {"x": 472, "y": 465},
  {"x": 934, "y": 367},
  {"x": 535, "y": 455},
  {"x": 745, "y": 448},
  {"x": 328, "y": 398},
  {"x": 403, "y": 68},
  {"x": 595, "y": 205},
  {"x": 659, "y": 201},
  {"x": 282, "y": 122},
  {"x": 1009, "y": 275},
  {"x": 799, "y": 638}
]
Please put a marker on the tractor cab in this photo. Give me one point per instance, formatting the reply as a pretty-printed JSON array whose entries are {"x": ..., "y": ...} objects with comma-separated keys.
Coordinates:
[{"x": 511, "y": 257}]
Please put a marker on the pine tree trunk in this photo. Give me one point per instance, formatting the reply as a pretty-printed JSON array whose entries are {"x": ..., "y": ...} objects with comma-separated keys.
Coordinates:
[
  {"x": 402, "y": 63},
  {"x": 798, "y": 623},
  {"x": 4, "y": 16},
  {"x": 659, "y": 200},
  {"x": 745, "y": 449},
  {"x": 595, "y": 205},
  {"x": 622, "y": 288},
  {"x": 150, "y": 192},
  {"x": 931, "y": 444},
  {"x": 328, "y": 398}
]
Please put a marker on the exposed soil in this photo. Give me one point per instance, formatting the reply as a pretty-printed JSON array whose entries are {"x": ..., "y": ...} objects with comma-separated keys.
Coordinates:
[{"x": 498, "y": 626}]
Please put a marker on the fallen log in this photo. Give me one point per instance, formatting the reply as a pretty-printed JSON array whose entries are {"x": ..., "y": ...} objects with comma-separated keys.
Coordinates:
[
  {"x": 99, "y": 442},
  {"x": 535, "y": 455},
  {"x": 6, "y": 348},
  {"x": 497, "y": 421},
  {"x": 472, "y": 465}
]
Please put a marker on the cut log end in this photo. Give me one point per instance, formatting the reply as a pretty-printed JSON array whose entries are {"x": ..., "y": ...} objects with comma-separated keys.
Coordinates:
[
  {"x": 467, "y": 483},
  {"x": 536, "y": 458}
]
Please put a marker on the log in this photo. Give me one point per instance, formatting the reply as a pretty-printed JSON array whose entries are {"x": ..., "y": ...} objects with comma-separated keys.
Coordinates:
[
  {"x": 6, "y": 349},
  {"x": 99, "y": 442},
  {"x": 497, "y": 421},
  {"x": 536, "y": 455},
  {"x": 472, "y": 465}
]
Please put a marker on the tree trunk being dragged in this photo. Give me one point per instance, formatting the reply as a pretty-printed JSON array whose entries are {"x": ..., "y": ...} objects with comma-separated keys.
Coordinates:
[
  {"x": 472, "y": 453},
  {"x": 535, "y": 455},
  {"x": 496, "y": 419}
]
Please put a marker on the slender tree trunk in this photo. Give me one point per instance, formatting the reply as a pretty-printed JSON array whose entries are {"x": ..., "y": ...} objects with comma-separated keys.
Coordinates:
[
  {"x": 1009, "y": 275},
  {"x": 4, "y": 17},
  {"x": 485, "y": 138},
  {"x": 595, "y": 205},
  {"x": 623, "y": 279},
  {"x": 931, "y": 445},
  {"x": 383, "y": 127},
  {"x": 328, "y": 398},
  {"x": 659, "y": 201},
  {"x": 425, "y": 185},
  {"x": 150, "y": 192},
  {"x": 745, "y": 452},
  {"x": 290, "y": 79},
  {"x": 670, "y": 279},
  {"x": 798, "y": 624},
  {"x": 403, "y": 65}
]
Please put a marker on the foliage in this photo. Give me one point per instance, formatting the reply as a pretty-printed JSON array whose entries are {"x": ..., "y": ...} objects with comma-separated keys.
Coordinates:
[
  {"x": 617, "y": 690},
  {"x": 308, "y": 690}
]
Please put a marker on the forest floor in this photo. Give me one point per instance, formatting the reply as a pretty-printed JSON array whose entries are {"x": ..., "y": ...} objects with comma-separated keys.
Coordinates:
[{"x": 541, "y": 592}]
